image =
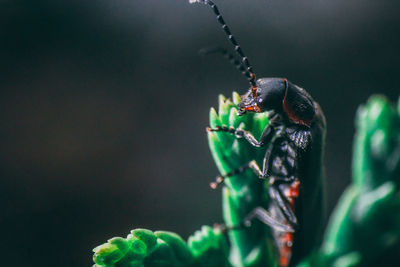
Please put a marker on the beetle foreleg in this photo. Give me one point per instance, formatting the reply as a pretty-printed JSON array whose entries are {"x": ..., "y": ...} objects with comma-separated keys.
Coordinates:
[
  {"x": 239, "y": 133},
  {"x": 270, "y": 130}
]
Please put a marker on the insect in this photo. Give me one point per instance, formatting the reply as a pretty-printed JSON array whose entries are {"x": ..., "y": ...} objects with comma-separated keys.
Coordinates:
[{"x": 293, "y": 142}]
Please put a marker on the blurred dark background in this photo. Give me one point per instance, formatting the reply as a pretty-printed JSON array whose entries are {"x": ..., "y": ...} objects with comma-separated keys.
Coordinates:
[{"x": 103, "y": 107}]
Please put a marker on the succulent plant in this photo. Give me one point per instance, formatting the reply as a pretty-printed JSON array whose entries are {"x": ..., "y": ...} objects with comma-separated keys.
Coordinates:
[{"x": 364, "y": 229}]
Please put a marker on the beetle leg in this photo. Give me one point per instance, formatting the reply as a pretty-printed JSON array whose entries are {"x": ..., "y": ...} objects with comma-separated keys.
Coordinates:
[
  {"x": 220, "y": 178},
  {"x": 256, "y": 169},
  {"x": 268, "y": 153},
  {"x": 280, "y": 180},
  {"x": 265, "y": 217},
  {"x": 239, "y": 133},
  {"x": 267, "y": 135},
  {"x": 283, "y": 204},
  {"x": 266, "y": 162},
  {"x": 251, "y": 165}
]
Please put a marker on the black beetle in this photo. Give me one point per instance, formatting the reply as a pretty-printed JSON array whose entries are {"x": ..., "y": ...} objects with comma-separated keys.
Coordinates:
[{"x": 292, "y": 163}]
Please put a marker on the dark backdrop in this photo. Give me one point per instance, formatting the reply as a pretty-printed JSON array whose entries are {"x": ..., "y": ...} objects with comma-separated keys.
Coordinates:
[{"x": 103, "y": 107}]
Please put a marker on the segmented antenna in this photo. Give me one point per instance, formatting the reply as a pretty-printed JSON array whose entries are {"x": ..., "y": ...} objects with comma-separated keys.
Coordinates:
[
  {"x": 234, "y": 61},
  {"x": 248, "y": 68}
]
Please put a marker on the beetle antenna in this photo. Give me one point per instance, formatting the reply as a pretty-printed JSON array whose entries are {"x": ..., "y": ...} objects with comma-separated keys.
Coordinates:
[
  {"x": 232, "y": 59},
  {"x": 249, "y": 69}
]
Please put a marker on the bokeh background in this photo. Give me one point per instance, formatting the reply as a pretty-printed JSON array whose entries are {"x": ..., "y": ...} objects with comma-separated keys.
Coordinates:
[{"x": 104, "y": 104}]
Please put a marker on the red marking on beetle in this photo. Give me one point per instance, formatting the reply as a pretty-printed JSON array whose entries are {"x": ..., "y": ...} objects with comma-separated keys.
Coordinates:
[
  {"x": 286, "y": 239},
  {"x": 253, "y": 108},
  {"x": 294, "y": 189},
  {"x": 291, "y": 113},
  {"x": 285, "y": 250},
  {"x": 292, "y": 192},
  {"x": 283, "y": 261}
]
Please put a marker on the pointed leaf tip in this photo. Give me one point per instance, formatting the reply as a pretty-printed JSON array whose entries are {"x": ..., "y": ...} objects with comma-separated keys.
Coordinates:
[
  {"x": 214, "y": 119},
  {"x": 221, "y": 98},
  {"x": 236, "y": 98},
  {"x": 213, "y": 113},
  {"x": 222, "y": 105},
  {"x": 233, "y": 118}
]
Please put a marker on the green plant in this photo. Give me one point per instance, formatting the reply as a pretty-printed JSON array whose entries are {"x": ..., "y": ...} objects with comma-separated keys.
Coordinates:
[{"x": 364, "y": 229}]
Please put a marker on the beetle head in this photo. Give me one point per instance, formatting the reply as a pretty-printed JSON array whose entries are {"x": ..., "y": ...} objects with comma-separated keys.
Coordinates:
[{"x": 266, "y": 96}]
